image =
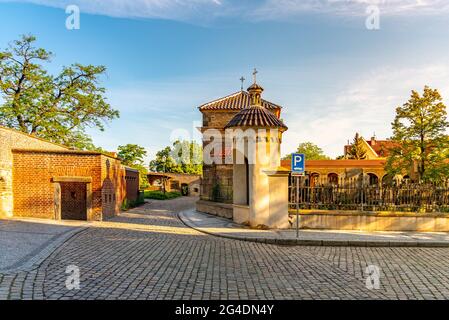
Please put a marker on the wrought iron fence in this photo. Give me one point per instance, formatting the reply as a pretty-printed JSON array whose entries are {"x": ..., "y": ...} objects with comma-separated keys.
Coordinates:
[{"x": 357, "y": 195}]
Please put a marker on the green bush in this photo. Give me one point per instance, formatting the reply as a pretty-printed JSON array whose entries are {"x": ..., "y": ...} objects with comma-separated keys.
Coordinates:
[
  {"x": 159, "y": 195},
  {"x": 127, "y": 204}
]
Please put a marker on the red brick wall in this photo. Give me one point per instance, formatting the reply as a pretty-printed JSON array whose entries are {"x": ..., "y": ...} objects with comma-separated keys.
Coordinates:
[
  {"x": 33, "y": 188},
  {"x": 113, "y": 186},
  {"x": 10, "y": 139}
]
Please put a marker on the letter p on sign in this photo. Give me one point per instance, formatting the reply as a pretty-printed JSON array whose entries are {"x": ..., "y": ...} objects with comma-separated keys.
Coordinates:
[{"x": 298, "y": 164}]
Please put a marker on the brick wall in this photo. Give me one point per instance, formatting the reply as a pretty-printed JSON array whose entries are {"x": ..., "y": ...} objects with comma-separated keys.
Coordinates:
[
  {"x": 14, "y": 139},
  {"x": 175, "y": 182},
  {"x": 218, "y": 177},
  {"x": 113, "y": 186},
  {"x": 34, "y": 191}
]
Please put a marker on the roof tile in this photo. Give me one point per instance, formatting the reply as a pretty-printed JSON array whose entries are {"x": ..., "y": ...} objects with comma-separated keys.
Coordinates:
[
  {"x": 255, "y": 116},
  {"x": 236, "y": 101}
]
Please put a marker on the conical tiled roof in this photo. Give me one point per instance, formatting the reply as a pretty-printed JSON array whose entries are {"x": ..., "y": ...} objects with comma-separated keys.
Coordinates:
[
  {"x": 256, "y": 116},
  {"x": 254, "y": 86}
]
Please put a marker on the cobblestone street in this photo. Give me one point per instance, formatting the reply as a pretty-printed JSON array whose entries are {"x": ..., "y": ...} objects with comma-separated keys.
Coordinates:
[{"x": 148, "y": 253}]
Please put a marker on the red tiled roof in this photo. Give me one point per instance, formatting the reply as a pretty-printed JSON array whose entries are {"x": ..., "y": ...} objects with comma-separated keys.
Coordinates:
[
  {"x": 256, "y": 116},
  {"x": 381, "y": 146},
  {"x": 236, "y": 101}
]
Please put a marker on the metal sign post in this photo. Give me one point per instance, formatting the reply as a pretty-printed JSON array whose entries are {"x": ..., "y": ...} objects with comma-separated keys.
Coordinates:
[
  {"x": 298, "y": 167},
  {"x": 297, "y": 220}
]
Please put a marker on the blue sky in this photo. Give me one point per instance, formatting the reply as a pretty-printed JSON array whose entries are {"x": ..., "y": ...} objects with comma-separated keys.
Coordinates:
[{"x": 315, "y": 57}]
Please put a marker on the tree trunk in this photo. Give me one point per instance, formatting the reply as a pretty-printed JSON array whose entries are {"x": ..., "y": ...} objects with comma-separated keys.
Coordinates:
[{"x": 421, "y": 168}]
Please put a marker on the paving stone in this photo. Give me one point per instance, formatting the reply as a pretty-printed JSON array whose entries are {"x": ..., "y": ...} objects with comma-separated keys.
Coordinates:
[{"x": 148, "y": 253}]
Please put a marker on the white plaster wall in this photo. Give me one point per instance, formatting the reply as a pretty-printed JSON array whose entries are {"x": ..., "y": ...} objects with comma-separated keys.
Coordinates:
[
  {"x": 239, "y": 184},
  {"x": 279, "y": 201},
  {"x": 268, "y": 196}
]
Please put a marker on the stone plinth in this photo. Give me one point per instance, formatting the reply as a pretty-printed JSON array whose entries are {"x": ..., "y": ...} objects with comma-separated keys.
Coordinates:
[
  {"x": 371, "y": 221},
  {"x": 215, "y": 208}
]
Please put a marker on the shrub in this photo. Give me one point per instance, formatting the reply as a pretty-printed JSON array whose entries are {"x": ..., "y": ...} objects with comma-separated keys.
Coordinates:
[
  {"x": 127, "y": 204},
  {"x": 159, "y": 195}
]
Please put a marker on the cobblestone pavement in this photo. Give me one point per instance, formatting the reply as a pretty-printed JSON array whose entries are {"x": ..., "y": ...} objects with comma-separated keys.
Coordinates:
[{"x": 147, "y": 253}]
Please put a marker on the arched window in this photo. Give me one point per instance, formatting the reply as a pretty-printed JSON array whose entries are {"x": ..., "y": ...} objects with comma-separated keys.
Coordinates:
[
  {"x": 314, "y": 179},
  {"x": 373, "y": 179},
  {"x": 332, "y": 179},
  {"x": 406, "y": 179},
  {"x": 387, "y": 180}
]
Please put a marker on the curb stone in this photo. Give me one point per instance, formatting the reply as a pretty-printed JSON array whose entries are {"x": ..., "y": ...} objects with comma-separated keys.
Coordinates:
[{"x": 310, "y": 242}]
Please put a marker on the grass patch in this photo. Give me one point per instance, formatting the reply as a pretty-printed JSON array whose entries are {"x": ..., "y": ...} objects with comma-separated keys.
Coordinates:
[{"x": 159, "y": 195}]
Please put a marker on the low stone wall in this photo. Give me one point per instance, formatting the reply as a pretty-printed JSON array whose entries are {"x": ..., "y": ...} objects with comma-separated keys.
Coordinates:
[
  {"x": 371, "y": 221},
  {"x": 215, "y": 208}
]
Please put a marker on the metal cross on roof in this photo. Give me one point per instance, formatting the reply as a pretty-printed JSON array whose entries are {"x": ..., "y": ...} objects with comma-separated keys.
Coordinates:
[
  {"x": 242, "y": 79},
  {"x": 255, "y": 72}
]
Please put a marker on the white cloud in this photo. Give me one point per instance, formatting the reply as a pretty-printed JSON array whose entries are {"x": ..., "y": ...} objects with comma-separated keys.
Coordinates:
[
  {"x": 198, "y": 11},
  {"x": 367, "y": 106},
  {"x": 277, "y": 9},
  {"x": 164, "y": 9}
]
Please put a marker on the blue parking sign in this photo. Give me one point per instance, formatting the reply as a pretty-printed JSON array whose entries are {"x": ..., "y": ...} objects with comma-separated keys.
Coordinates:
[{"x": 298, "y": 163}]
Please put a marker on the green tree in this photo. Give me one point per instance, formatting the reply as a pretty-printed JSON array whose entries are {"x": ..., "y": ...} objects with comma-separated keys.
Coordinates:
[
  {"x": 133, "y": 155},
  {"x": 311, "y": 152},
  {"x": 357, "y": 150},
  {"x": 58, "y": 108},
  {"x": 419, "y": 133},
  {"x": 188, "y": 156},
  {"x": 182, "y": 157},
  {"x": 163, "y": 161}
]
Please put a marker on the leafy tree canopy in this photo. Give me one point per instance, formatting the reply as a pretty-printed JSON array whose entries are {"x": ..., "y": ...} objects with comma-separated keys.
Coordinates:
[
  {"x": 421, "y": 142},
  {"x": 357, "y": 150},
  {"x": 311, "y": 152},
  {"x": 182, "y": 157},
  {"x": 133, "y": 155},
  {"x": 58, "y": 108}
]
